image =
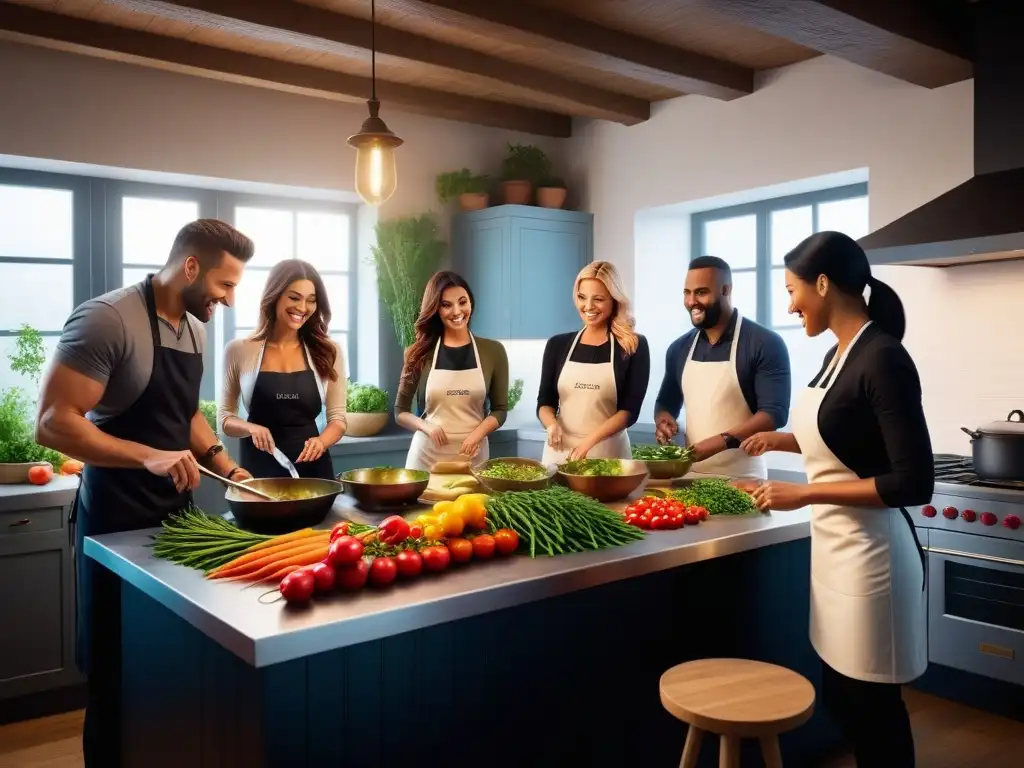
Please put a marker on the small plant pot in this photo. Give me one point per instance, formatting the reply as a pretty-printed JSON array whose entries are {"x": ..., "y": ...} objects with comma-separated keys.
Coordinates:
[
  {"x": 516, "y": 192},
  {"x": 365, "y": 424},
  {"x": 551, "y": 197},
  {"x": 14, "y": 474},
  {"x": 473, "y": 201}
]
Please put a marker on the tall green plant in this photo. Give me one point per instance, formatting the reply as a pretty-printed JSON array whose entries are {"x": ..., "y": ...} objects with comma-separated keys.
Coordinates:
[
  {"x": 407, "y": 253},
  {"x": 29, "y": 355}
]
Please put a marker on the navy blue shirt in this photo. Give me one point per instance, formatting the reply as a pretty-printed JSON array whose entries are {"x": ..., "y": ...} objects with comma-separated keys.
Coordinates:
[{"x": 762, "y": 366}]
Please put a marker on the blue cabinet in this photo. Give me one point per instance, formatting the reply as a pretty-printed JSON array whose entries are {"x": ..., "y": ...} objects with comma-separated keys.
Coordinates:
[{"x": 521, "y": 262}]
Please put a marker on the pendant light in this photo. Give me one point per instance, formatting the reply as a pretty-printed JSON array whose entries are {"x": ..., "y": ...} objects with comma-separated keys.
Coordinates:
[{"x": 376, "y": 176}]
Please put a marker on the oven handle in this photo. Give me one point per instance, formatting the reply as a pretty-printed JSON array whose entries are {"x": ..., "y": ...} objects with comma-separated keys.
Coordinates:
[{"x": 972, "y": 556}]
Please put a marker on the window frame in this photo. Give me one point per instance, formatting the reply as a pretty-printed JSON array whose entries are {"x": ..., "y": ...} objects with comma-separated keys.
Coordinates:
[{"x": 762, "y": 210}]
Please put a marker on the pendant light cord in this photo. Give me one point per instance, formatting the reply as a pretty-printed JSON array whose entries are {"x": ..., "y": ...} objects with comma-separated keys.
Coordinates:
[{"x": 373, "y": 49}]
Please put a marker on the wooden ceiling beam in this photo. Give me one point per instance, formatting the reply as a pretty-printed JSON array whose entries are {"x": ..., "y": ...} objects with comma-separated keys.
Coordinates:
[
  {"x": 53, "y": 30},
  {"x": 313, "y": 27},
  {"x": 601, "y": 48},
  {"x": 907, "y": 39}
]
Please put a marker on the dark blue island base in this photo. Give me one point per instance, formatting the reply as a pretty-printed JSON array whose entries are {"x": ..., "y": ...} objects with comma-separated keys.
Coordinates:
[{"x": 567, "y": 680}]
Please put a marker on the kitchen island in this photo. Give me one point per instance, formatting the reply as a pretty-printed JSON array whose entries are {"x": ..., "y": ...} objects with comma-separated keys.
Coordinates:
[{"x": 512, "y": 661}]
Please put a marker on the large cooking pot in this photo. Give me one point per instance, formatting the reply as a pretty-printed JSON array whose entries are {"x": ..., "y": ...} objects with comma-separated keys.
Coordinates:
[
  {"x": 998, "y": 448},
  {"x": 304, "y": 502}
]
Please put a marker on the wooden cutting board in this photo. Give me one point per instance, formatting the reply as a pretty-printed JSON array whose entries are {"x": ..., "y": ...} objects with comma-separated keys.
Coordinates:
[{"x": 436, "y": 490}]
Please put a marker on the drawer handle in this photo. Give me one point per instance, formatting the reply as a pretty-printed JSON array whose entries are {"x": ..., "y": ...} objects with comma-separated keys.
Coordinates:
[{"x": 16, "y": 523}]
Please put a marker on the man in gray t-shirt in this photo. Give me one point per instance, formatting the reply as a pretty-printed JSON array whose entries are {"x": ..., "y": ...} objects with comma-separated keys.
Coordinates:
[{"x": 122, "y": 395}]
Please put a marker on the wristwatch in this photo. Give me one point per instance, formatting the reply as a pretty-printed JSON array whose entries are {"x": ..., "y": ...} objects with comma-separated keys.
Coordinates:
[{"x": 730, "y": 441}]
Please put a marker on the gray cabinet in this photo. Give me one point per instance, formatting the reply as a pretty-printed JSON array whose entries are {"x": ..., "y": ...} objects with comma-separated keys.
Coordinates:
[{"x": 37, "y": 589}]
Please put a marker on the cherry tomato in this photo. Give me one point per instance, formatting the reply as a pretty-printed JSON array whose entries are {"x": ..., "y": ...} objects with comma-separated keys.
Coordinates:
[
  {"x": 297, "y": 587},
  {"x": 506, "y": 541},
  {"x": 353, "y": 576},
  {"x": 461, "y": 550},
  {"x": 632, "y": 518},
  {"x": 645, "y": 520},
  {"x": 409, "y": 563},
  {"x": 340, "y": 529},
  {"x": 483, "y": 546},
  {"x": 323, "y": 573},
  {"x": 435, "y": 558},
  {"x": 383, "y": 570},
  {"x": 40, "y": 474},
  {"x": 415, "y": 531},
  {"x": 703, "y": 513},
  {"x": 656, "y": 522},
  {"x": 692, "y": 518},
  {"x": 344, "y": 550}
]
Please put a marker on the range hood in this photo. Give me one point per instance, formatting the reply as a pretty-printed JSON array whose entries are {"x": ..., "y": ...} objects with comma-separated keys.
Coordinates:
[{"x": 982, "y": 219}]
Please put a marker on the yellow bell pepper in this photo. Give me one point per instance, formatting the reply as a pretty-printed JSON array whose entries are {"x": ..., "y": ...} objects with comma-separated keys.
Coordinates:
[
  {"x": 433, "y": 532},
  {"x": 451, "y": 523},
  {"x": 472, "y": 510}
]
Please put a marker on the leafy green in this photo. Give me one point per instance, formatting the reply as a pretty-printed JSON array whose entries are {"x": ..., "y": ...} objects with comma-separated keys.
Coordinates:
[
  {"x": 454, "y": 183},
  {"x": 30, "y": 354},
  {"x": 669, "y": 452},
  {"x": 407, "y": 252},
  {"x": 592, "y": 467},
  {"x": 209, "y": 410},
  {"x": 525, "y": 162},
  {"x": 515, "y": 393},
  {"x": 718, "y": 497},
  {"x": 509, "y": 470},
  {"x": 17, "y": 445},
  {"x": 366, "y": 398}
]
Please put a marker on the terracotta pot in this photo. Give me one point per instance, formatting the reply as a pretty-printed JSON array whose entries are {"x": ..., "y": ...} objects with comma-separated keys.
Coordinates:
[
  {"x": 551, "y": 197},
  {"x": 365, "y": 424},
  {"x": 516, "y": 192},
  {"x": 473, "y": 201}
]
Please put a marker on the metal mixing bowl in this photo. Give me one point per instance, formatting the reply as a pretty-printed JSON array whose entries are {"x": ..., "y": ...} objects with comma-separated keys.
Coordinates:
[
  {"x": 385, "y": 486},
  {"x": 499, "y": 485},
  {"x": 274, "y": 517},
  {"x": 609, "y": 487},
  {"x": 667, "y": 469}
]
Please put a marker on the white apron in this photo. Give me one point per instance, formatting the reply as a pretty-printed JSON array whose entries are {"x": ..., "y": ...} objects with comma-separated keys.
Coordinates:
[
  {"x": 455, "y": 402},
  {"x": 587, "y": 397},
  {"x": 868, "y": 604},
  {"x": 714, "y": 404}
]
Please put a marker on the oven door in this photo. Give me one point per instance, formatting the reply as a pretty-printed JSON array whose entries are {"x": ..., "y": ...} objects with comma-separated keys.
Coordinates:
[{"x": 976, "y": 604}]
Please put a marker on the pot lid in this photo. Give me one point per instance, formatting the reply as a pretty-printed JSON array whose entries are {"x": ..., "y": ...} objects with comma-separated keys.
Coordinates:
[{"x": 1013, "y": 425}]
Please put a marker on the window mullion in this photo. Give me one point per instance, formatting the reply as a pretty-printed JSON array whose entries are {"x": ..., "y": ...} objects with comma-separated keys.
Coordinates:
[{"x": 764, "y": 268}]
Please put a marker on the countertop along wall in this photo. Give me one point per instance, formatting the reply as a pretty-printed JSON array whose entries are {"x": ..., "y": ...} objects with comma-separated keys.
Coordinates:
[{"x": 819, "y": 117}]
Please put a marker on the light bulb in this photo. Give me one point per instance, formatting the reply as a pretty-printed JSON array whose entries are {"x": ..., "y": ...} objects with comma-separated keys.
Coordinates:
[{"x": 376, "y": 174}]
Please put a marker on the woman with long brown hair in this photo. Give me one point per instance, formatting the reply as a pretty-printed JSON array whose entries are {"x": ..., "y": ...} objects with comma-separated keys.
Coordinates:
[
  {"x": 460, "y": 380},
  {"x": 593, "y": 382},
  {"x": 286, "y": 373}
]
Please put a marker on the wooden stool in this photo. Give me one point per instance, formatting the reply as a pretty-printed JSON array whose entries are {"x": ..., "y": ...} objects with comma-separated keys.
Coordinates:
[{"x": 736, "y": 699}]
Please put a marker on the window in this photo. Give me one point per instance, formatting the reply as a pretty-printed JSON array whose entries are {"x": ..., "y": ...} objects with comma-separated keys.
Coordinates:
[
  {"x": 148, "y": 228},
  {"x": 320, "y": 236},
  {"x": 755, "y": 238}
]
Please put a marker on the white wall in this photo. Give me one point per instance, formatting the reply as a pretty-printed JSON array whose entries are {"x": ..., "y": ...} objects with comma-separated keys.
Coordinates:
[{"x": 819, "y": 117}]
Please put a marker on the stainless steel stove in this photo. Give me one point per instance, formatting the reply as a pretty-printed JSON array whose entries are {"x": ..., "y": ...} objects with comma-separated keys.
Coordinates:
[{"x": 973, "y": 534}]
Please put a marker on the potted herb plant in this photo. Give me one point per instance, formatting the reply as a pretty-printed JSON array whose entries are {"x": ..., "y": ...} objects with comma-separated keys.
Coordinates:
[
  {"x": 551, "y": 192},
  {"x": 515, "y": 393},
  {"x": 366, "y": 410},
  {"x": 469, "y": 188},
  {"x": 523, "y": 167}
]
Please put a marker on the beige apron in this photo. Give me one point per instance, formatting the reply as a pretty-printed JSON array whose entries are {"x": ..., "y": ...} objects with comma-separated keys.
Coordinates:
[
  {"x": 868, "y": 605},
  {"x": 455, "y": 402},
  {"x": 714, "y": 403},
  {"x": 587, "y": 397}
]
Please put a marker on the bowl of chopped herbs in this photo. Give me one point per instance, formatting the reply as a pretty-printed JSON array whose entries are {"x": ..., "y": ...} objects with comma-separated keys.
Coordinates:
[
  {"x": 513, "y": 474},
  {"x": 664, "y": 462},
  {"x": 603, "y": 479}
]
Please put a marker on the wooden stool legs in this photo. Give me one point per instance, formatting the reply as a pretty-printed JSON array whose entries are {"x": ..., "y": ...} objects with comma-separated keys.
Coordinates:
[
  {"x": 728, "y": 750},
  {"x": 691, "y": 751}
]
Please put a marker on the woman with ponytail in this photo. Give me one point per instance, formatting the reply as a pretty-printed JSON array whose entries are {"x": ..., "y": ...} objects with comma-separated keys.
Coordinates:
[{"x": 861, "y": 429}]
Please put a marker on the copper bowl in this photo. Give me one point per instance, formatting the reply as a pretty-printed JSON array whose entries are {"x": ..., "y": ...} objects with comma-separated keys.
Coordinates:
[
  {"x": 498, "y": 484},
  {"x": 385, "y": 486},
  {"x": 609, "y": 487},
  {"x": 304, "y": 502}
]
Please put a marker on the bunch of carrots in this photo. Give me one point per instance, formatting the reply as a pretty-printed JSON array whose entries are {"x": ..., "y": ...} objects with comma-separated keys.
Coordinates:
[{"x": 223, "y": 551}]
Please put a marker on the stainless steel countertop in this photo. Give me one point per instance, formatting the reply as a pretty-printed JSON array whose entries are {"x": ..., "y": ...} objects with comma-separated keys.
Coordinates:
[{"x": 264, "y": 634}]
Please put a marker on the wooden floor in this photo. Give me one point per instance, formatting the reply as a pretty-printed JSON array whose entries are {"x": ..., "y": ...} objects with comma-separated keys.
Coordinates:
[{"x": 947, "y": 735}]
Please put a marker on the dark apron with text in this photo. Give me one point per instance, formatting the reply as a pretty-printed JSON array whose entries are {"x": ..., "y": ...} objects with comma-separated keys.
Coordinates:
[
  {"x": 287, "y": 404},
  {"x": 115, "y": 500}
]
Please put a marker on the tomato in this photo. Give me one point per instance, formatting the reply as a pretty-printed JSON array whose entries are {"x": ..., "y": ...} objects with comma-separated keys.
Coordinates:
[
  {"x": 656, "y": 522},
  {"x": 352, "y": 577},
  {"x": 703, "y": 513},
  {"x": 433, "y": 532},
  {"x": 383, "y": 570},
  {"x": 461, "y": 550},
  {"x": 297, "y": 587},
  {"x": 409, "y": 563},
  {"x": 642, "y": 505},
  {"x": 506, "y": 541},
  {"x": 645, "y": 520},
  {"x": 435, "y": 558},
  {"x": 415, "y": 531},
  {"x": 692, "y": 518},
  {"x": 672, "y": 522},
  {"x": 323, "y": 573},
  {"x": 632, "y": 518},
  {"x": 393, "y": 529},
  {"x": 483, "y": 546},
  {"x": 40, "y": 475},
  {"x": 340, "y": 529},
  {"x": 344, "y": 550}
]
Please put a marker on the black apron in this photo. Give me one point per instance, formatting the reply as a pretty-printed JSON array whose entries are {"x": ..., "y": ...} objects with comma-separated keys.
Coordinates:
[
  {"x": 287, "y": 404},
  {"x": 115, "y": 500}
]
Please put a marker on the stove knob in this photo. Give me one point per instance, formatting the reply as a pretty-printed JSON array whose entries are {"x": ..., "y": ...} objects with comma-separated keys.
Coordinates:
[
  {"x": 988, "y": 518},
  {"x": 969, "y": 515},
  {"x": 928, "y": 511},
  {"x": 1012, "y": 522},
  {"x": 951, "y": 513}
]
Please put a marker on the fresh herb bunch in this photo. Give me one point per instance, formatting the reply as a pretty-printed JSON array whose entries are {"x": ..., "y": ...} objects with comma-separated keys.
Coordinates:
[
  {"x": 450, "y": 185},
  {"x": 718, "y": 497},
  {"x": 17, "y": 445},
  {"x": 515, "y": 393},
  {"x": 366, "y": 398},
  {"x": 507, "y": 470},
  {"x": 592, "y": 467},
  {"x": 668, "y": 452},
  {"x": 525, "y": 162}
]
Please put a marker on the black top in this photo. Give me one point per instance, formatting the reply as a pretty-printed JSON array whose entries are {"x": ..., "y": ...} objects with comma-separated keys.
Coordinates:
[
  {"x": 872, "y": 419},
  {"x": 762, "y": 366},
  {"x": 456, "y": 358},
  {"x": 632, "y": 372}
]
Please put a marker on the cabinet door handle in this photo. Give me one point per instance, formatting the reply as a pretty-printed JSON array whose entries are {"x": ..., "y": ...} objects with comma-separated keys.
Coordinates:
[{"x": 16, "y": 523}]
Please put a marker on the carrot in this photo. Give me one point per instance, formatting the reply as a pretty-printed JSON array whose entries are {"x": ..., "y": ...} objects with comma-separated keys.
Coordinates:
[
  {"x": 286, "y": 551},
  {"x": 253, "y": 555},
  {"x": 277, "y": 576},
  {"x": 301, "y": 534},
  {"x": 303, "y": 557}
]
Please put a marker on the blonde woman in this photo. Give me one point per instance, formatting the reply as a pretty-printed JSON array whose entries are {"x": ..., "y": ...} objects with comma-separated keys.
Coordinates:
[{"x": 593, "y": 382}]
